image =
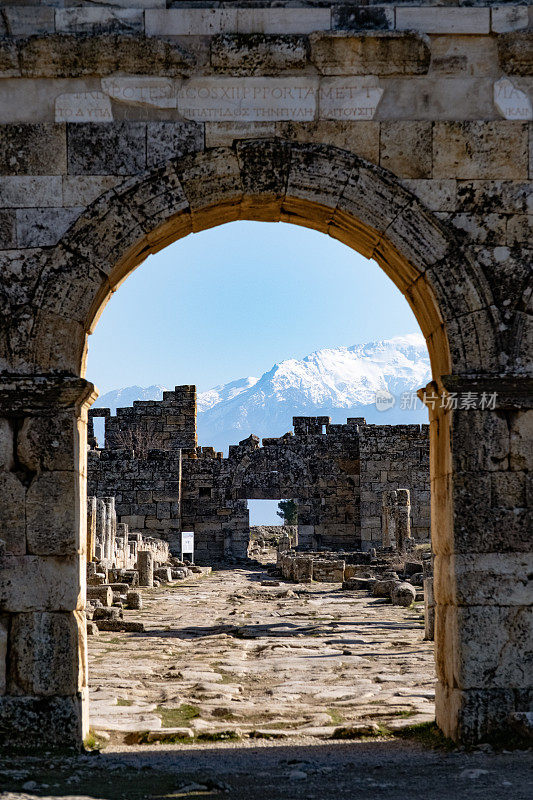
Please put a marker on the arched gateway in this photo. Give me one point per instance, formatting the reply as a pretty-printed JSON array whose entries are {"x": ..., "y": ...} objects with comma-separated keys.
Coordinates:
[{"x": 438, "y": 239}]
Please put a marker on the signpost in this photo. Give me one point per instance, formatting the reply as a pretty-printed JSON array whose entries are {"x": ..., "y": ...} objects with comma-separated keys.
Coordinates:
[{"x": 187, "y": 545}]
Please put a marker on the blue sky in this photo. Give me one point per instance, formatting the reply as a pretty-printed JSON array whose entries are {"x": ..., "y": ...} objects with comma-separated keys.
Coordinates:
[{"x": 234, "y": 300}]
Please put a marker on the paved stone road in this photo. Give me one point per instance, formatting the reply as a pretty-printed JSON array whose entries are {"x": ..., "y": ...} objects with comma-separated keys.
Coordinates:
[{"x": 227, "y": 654}]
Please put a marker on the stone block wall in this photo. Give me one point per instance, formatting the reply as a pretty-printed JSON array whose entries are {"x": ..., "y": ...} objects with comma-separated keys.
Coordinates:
[
  {"x": 394, "y": 457},
  {"x": 146, "y": 490},
  {"x": 167, "y": 424}
]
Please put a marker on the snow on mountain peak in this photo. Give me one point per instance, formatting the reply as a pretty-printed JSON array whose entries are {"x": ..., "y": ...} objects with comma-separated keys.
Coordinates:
[{"x": 335, "y": 381}]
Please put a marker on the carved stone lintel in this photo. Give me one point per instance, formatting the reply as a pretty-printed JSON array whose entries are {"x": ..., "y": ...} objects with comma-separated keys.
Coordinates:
[
  {"x": 30, "y": 393},
  {"x": 512, "y": 392}
]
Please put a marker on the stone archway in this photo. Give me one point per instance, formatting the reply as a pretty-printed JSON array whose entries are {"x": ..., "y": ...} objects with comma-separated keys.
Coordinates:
[{"x": 481, "y": 618}]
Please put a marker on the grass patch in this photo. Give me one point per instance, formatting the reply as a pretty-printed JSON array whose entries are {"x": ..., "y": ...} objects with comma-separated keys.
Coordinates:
[
  {"x": 93, "y": 742},
  {"x": 220, "y": 736},
  {"x": 336, "y": 717},
  {"x": 121, "y": 701},
  {"x": 177, "y": 717},
  {"x": 427, "y": 734}
]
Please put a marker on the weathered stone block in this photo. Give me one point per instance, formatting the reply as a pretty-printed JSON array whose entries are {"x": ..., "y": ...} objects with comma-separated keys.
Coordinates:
[
  {"x": 29, "y": 21},
  {"x": 23, "y": 720},
  {"x": 51, "y": 519},
  {"x": 72, "y": 55},
  {"x": 30, "y": 191},
  {"x": 167, "y": 140},
  {"x": 485, "y": 646},
  {"x": 505, "y": 18},
  {"x": 4, "y": 629},
  {"x": 39, "y": 149},
  {"x": 257, "y": 54},
  {"x": 117, "y": 148},
  {"x": 8, "y": 229},
  {"x": 357, "y": 18},
  {"x": 82, "y": 190},
  {"x": 479, "y": 579},
  {"x": 99, "y": 20},
  {"x": 515, "y": 53},
  {"x": 36, "y": 583},
  {"x": 360, "y": 137},
  {"x": 6, "y": 444},
  {"x": 46, "y": 653},
  {"x": 400, "y": 141},
  {"x": 337, "y": 53},
  {"x": 443, "y": 20},
  {"x": 480, "y": 150},
  {"x": 43, "y": 227},
  {"x": 12, "y": 513}
]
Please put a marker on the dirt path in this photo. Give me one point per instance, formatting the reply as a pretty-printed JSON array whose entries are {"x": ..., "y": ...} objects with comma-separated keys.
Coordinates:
[{"x": 229, "y": 656}]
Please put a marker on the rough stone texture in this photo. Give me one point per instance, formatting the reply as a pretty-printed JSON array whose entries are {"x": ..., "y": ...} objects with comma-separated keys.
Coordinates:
[
  {"x": 33, "y": 149},
  {"x": 102, "y": 149},
  {"x": 257, "y": 54},
  {"x": 70, "y": 55},
  {"x": 405, "y": 148},
  {"x": 45, "y": 654},
  {"x": 23, "y": 720},
  {"x": 468, "y": 150},
  {"x": 377, "y": 54}
]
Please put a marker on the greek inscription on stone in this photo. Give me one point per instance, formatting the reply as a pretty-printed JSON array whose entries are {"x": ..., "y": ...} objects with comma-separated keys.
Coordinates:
[
  {"x": 141, "y": 91},
  {"x": 83, "y": 107},
  {"x": 349, "y": 98},
  {"x": 248, "y": 99},
  {"x": 510, "y": 101}
]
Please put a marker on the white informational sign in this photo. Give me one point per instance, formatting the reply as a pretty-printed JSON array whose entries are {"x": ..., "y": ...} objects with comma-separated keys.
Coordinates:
[{"x": 187, "y": 542}]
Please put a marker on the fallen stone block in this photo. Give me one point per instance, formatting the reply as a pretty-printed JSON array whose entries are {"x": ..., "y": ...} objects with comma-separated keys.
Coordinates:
[
  {"x": 163, "y": 574},
  {"x": 107, "y": 613},
  {"x": 102, "y": 593},
  {"x": 168, "y": 735},
  {"x": 92, "y": 629},
  {"x": 134, "y": 599},
  {"x": 120, "y": 625},
  {"x": 358, "y": 583},
  {"x": 355, "y": 731},
  {"x": 403, "y": 594}
]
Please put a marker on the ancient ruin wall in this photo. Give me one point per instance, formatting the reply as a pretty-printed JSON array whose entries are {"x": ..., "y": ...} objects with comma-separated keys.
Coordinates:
[{"x": 394, "y": 457}]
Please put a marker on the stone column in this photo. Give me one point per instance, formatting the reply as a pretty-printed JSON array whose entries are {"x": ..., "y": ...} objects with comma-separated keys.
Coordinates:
[
  {"x": 480, "y": 457},
  {"x": 388, "y": 520},
  {"x": 145, "y": 565},
  {"x": 111, "y": 529},
  {"x": 43, "y": 516},
  {"x": 100, "y": 529},
  {"x": 91, "y": 527},
  {"x": 403, "y": 517}
]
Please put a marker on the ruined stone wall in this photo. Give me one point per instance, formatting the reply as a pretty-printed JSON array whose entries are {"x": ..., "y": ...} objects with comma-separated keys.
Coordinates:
[
  {"x": 167, "y": 424},
  {"x": 394, "y": 457},
  {"x": 146, "y": 490}
]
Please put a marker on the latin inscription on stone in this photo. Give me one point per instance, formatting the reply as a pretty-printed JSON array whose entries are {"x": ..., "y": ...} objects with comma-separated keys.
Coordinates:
[
  {"x": 349, "y": 98},
  {"x": 510, "y": 101},
  {"x": 83, "y": 107},
  {"x": 141, "y": 91},
  {"x": 248, "y": 99}
]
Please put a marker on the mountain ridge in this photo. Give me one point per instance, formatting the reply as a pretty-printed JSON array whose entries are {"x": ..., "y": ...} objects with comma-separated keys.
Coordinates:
[{"x": 338, "y": 382}]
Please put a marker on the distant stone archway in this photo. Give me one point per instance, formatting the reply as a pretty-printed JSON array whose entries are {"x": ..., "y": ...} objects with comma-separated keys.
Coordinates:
[{"x": 367, "y": 208}]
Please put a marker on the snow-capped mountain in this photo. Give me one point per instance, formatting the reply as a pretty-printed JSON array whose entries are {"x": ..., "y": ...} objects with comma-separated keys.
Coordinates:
[{"x": 338, "y": 382}]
